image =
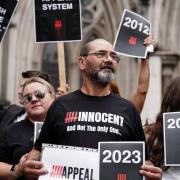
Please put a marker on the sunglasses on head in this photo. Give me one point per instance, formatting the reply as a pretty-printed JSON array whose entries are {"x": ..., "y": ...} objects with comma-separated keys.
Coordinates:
[{"x": 28, "y": 97}]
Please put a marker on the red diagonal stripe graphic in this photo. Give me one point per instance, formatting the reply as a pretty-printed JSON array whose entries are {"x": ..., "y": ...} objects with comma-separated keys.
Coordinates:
[
  {"x": 52, "y": 170},
  {"x": 121, "y": 176},
  {"x": 58, "y": 171},
  {"x": 73, "y": 116},
  {"x": 70, "y": 117},
  {"x": 76, "y": 116},
  {"x": 62, "y": 167},
  {"x": 66, "y": 118}
]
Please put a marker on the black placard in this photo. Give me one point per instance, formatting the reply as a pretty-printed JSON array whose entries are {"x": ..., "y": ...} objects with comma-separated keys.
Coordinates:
[
  {"x": 131, "y": 33},
  {"x": 7, "y": 8},
  {"x": 121, "y": 160},
  {"x": 57, "y": 20},
  {"x": 171, "y": 122}
]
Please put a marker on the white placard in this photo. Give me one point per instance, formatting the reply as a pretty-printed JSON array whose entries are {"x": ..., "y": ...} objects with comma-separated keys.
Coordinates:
[{"x": 67, "y": 162}]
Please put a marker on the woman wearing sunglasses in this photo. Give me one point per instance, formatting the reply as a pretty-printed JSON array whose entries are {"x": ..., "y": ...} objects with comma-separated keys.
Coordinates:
[{"x": 17, "y": 139}]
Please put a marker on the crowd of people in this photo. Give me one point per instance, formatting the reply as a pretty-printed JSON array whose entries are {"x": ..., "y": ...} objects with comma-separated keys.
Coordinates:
[{"x": 19, "y": 156}]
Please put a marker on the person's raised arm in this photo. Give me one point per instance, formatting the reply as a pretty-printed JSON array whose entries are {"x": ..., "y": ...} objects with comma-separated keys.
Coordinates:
[{"x": 139, "y": 97}]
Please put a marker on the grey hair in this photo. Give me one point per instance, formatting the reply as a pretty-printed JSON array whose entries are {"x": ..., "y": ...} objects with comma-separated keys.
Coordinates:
[{"x": 41, "y": 81}]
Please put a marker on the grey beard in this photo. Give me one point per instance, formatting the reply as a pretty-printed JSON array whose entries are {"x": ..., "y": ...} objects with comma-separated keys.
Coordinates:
[{"x": 104, "y": 77}]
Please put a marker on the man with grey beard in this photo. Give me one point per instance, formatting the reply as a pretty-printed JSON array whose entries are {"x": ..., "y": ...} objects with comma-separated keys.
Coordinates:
[{"x": 70, "y": 120}]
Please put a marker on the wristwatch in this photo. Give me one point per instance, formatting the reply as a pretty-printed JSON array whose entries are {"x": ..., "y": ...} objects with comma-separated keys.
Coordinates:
[{"x": 13, "y": 170}]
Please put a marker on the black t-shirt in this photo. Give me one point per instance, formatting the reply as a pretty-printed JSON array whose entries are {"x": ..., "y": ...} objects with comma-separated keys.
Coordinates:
[
  {"x": 16, "y": 141},
  {"x": 80, "y": 120}
]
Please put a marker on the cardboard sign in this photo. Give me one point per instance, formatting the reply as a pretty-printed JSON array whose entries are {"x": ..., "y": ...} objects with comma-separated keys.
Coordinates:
[
  {"x": 37, "y": 129},
  {"x": 67, "y": 162},
  {"x": 7, "y": 8},
  {"x": 131, "y": 33},
  {"x": 171, "y": 122},
  {"x": 121, "y": 160},
  {"x": 57, "y": 20}
]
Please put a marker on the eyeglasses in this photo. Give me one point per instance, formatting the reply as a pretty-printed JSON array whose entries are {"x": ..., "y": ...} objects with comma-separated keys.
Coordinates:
[
  {"x": 104, "y": 54},
  {"x": 28, "y": 97}
]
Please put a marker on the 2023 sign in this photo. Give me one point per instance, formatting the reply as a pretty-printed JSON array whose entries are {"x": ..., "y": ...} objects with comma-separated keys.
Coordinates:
[
  {"x": 134, "y": 24},
  {"x": 125, "y": 156}
]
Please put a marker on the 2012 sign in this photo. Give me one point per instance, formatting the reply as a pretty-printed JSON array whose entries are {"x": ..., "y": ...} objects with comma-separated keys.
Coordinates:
[
  {"x": 132, "y": 31},
  {"x": 134, "y": 24}
]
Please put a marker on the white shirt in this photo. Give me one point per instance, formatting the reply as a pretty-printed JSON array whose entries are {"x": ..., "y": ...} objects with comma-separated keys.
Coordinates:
[{"x": 173, "y": 173}]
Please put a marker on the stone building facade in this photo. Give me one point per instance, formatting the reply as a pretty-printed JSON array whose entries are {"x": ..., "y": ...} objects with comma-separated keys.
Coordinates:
[{"x": 100, "y": 19}]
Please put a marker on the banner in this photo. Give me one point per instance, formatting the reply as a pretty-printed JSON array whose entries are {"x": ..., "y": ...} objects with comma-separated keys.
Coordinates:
[
  {"x": 57, "y": 20},
  {"x": 171, "y": 122},
  {"x": 7, "y": 8},
  {"x": 121, "y": 160},
  {"x": 131, "y": 33},
  {"x": 67, "y": 162}
]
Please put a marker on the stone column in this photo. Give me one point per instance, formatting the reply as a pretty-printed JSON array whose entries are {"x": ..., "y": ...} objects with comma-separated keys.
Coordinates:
[{"x": 153, "y": 98}]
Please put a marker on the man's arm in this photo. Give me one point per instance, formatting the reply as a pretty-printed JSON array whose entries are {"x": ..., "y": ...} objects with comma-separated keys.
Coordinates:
[
  {"x": 139, "y": 97},
  {"x": 5, "y": 171},
  {"x": 8, "y": 171}
]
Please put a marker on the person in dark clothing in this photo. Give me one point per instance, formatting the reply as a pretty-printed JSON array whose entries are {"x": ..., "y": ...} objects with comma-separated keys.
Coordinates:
[
  {"x": 17, "y": 139},
  {"x": 14, "y": 113},
  {"x": 4, "y": 104},
  {"x": 94, "y": 105}
]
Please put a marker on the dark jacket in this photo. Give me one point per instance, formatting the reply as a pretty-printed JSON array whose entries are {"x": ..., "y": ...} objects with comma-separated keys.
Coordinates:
[{"x": 9, "y": 115}]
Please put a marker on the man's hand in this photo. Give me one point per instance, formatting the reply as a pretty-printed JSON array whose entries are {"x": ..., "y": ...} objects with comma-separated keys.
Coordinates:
[
  {"x": 30, "y": 166},
  {"x": 151, "y": 172},
  {"x": 149, "y": 40},
  {"x": 34, "y": 168}
]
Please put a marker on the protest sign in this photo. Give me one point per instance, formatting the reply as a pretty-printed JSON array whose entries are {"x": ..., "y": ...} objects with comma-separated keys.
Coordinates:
[
  {"x": 67, "y": 162},
  {"x": 57, "y": 20},
  {"x": 121, "y": 160},
  {"x": 171, "y": 125},
  {"x": 132, "y": 31},
  {"x": 37, "y": 129},
  {"x": 7, "y": 8}
]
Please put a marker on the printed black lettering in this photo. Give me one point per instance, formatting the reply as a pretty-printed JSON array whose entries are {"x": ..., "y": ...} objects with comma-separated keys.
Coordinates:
[
  {"x": 64, "y": 174},
  {"x": 86, "y": 174},
  {"x": 76, "y": 171},
  {"x": 81, "y": 174}
]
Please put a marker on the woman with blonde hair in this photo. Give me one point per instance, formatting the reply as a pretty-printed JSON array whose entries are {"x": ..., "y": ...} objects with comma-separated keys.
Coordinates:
[{"x": 17, "y": 139}]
